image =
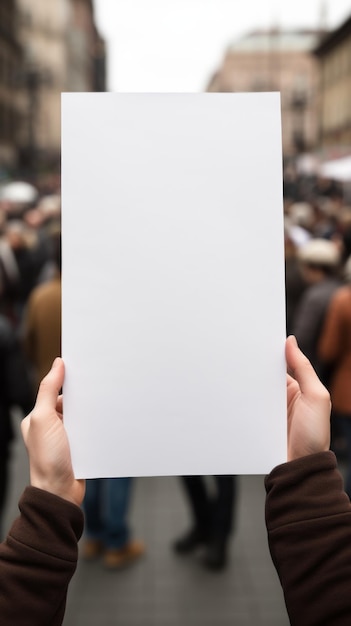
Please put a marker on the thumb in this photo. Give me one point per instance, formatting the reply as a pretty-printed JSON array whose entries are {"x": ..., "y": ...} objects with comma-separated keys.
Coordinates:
[
  {"x": 301, "y": 369},
  {"x": 50, "y": 386}
]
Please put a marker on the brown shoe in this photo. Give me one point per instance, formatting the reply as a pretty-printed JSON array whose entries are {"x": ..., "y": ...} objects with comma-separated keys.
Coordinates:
[
  {"x": 92, "y": 548},
  {"x": 116, "y": 558}
]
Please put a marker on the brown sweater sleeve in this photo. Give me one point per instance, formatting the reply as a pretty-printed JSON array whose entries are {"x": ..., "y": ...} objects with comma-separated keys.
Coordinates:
[
  {"x": 38, "y": 559},
  {"x": 308, "y": 519}
]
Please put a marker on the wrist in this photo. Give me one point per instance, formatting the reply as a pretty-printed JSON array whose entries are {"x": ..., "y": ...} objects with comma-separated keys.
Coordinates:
[{"x": 72, "y": 491}]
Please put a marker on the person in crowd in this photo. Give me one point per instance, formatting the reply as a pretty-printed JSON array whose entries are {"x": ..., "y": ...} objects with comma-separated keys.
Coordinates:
[
  {"x": 19, "y": 268},
  {"x": 108, "y": 533},
  {"x": 294, "y": 283},
  {"x": 41, "y": 327},
  {"x": 335, "y": 351},
  {"x": 328, "y": 188},
  {"x": 319, "y": 261},
  {"x": 15, "y": 391},
  {"x": 44, "y": 220},
  {"x": 212, "y": 516},
  {"x": 40, "y": 553}
]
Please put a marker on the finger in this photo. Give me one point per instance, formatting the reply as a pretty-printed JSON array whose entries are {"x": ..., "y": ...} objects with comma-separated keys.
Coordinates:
[
  {"x": 300, "y": 368},
  {"x": 50, "y": 386}
]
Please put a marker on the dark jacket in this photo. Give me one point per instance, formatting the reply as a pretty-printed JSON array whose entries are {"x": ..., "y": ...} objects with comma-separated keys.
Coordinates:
[
  {"x": 308, "y": 518},
  {"x": 15, "y": 384},
  {"x": 38, "y": 559},
  {"x": 309, "y": 319}
]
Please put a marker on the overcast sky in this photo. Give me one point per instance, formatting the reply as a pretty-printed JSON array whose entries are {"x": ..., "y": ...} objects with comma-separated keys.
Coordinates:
[{"x": 176, "y": 45}]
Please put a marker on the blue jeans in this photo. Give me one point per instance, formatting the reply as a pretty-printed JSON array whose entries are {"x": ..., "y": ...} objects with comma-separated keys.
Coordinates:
[{"x": 106, "y": 505}]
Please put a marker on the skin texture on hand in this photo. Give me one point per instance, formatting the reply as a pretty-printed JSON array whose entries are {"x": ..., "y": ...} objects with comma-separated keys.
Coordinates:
[
  {"x": 308, "y": 404},
  {"x": 47, "y": 443}
]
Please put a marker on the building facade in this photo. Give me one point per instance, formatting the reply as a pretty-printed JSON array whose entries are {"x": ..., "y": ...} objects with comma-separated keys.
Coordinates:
[
  {"x": 84, "y": 48},
  {"x": 278, "y": 60},
  {"x": 334, "y": 55},
  {"x": 10, "y": 61},
  {"x": 59, "y": 40}
]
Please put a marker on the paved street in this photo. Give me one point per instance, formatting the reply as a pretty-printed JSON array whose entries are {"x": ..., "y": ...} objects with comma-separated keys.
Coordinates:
[{"x": 165, "y": 590}]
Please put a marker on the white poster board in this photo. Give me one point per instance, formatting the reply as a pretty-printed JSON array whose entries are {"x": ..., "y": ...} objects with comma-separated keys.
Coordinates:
[{"x": 173, "y": 283}]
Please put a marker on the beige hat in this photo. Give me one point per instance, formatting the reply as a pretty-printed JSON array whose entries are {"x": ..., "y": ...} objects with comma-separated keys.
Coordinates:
[
  {"x": 301, "y": 213},
  {"x": 319, "y": 252}
]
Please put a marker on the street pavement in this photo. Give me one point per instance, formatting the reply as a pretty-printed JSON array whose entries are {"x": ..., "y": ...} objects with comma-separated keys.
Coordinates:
[{"x": 163, "y": 589}]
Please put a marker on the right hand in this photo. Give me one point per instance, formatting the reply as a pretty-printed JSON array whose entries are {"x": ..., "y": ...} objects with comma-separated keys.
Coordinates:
[{"x": 308, "y": 404}]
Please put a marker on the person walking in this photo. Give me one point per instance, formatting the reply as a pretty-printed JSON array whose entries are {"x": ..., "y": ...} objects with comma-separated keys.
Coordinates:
[
  {"x": 108, "y": 533},
  {"x": 334, "y": 350},
  {"x": 212, "y": 519}
]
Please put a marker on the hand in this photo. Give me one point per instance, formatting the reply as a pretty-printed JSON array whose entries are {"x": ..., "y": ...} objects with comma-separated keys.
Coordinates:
[
  {"x": 47, "y": 443},
  {"x": 308, "y": 406}
]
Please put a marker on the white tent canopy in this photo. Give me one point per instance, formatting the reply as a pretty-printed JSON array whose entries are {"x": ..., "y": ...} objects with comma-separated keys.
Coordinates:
[
  {"x": 18, "y": 191},
  {"x": 338, "y": 169}
]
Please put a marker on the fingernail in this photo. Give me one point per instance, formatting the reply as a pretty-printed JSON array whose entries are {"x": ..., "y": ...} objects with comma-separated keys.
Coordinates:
[
  {"x": 294, "y": 339},
  {"x": 56, "y": 363}
]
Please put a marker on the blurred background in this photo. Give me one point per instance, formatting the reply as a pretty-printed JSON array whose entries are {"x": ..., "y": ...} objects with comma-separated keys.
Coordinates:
[
  {"x": 160, "y": 45},
  {"x": 301, "y": 49}
]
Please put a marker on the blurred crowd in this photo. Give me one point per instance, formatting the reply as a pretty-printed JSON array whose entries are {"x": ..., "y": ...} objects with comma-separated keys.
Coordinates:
[
  {"x": 317, "y": 229},
  {"x": 317, "y": 221},
  {"x": 30, "y": 300}
]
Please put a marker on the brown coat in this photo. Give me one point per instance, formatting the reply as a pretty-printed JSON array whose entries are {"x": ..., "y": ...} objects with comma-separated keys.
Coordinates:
[
  {"x": 308, "y": 519},
  {"x": 335, "y": 349},
  {"x": 38, "y": 559},
  {"x": 42, "y": 327}
]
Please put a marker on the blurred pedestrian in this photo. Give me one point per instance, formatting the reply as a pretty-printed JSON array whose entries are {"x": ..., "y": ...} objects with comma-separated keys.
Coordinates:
[
  {"x": 15, "y": 391},
  {"x": 212, "y": 519},
  {"x": 19, "y": 268},
  {"x": 108, "y": 534},
  {"x": 294, "y": 283},
  {"x": 335, "y": 352},
  {"x": 319, "y": 261},
  {"x": 42, "y": 321}
]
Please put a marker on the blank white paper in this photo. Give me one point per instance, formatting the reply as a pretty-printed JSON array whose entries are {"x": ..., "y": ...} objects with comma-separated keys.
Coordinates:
[{"x": 173, "y": 320}]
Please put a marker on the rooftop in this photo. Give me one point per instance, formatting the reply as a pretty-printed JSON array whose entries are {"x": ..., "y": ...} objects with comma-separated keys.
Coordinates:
[{"x": 276, "y": 39}]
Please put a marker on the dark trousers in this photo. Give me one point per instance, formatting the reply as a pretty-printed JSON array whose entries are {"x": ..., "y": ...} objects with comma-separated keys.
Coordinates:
[
  {"x": 4, "y": 474},
  {"x": 213, "y": 514}
]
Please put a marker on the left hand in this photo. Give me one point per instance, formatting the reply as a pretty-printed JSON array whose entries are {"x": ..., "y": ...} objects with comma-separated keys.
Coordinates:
[{"x": 46, "y": 441}]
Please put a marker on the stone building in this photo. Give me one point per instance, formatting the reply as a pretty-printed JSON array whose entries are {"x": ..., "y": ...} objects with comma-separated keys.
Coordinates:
[
  {"x": 334, "y": 55},
  {"x": 10, "y": 60},
  {"x": 60, "y": 43},
  {"x": 84, "y": 48},
  {"x": 277, "y": 60}
]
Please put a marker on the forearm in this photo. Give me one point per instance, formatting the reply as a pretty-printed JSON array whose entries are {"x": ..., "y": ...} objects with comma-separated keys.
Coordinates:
[
  {"x": 38, "y": 559},
  {"x": 308, "y": 518}
]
